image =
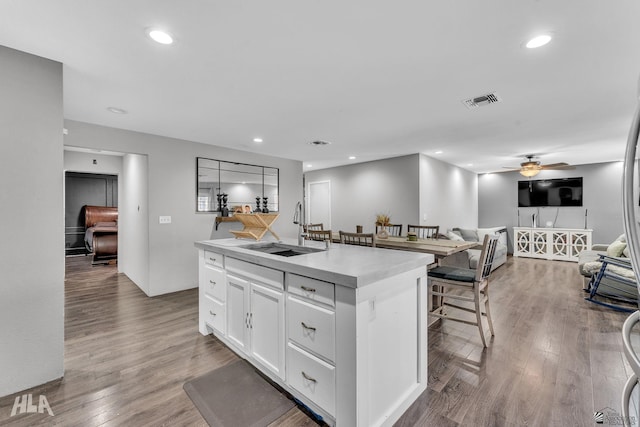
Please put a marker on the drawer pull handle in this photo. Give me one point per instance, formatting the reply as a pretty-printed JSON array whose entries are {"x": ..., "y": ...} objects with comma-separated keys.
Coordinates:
[
  {"x": 310, "y": 328},
  {"x": 212, "y": 259},
  {"x": 211, "y": 313},
  {"x": 212, "y": 282},
  {"x": 304, "y": 288},
  {"x": 308, "y": 378}
]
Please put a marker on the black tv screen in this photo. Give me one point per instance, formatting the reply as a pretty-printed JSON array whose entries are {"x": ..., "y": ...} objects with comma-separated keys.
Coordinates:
[{"x": 550, "y": 192}]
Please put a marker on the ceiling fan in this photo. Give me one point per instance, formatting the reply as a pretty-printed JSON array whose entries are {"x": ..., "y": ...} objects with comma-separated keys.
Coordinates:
[{"x": 532, "y": 167}]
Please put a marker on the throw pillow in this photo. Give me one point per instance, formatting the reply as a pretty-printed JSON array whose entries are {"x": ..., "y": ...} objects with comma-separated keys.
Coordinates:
[
  {"x": 626, "y": 252},
  {"x": 454, "y": 236},
  {"x": 616, "y": 248},
  {"x": 468, "y": 234},
  {"x": 622, "y": 238}
]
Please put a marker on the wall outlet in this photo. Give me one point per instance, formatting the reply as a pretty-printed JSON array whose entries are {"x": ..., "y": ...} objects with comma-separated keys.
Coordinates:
[{"x": 165, "y": 220}]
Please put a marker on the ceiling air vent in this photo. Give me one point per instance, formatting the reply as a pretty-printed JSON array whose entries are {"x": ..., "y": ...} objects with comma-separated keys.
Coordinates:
[
  {"x": 481, "y": 101},
  {"x": 319, "y": 142}
]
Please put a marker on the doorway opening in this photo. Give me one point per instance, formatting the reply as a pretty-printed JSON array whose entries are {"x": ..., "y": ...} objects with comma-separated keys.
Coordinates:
[{"x": 86, "y": 234}]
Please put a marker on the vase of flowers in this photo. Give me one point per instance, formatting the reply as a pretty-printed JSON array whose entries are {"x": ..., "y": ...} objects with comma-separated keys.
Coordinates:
[{"x": 382, "y": 221}]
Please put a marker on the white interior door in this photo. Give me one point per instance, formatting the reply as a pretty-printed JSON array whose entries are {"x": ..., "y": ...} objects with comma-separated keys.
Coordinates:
[{"x": 319, "y": 203}]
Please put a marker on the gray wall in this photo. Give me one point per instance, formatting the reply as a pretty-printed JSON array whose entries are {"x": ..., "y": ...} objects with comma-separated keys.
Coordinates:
[
  {"x": 409, "y": 188},
  {"x": 448, "y": 195},
  {"x": 76, "y": 161},
  {"x": 602, "y": 199},
  {"x": 31, "y": 222},
  {"x": 172, "y": 191},
  {"x": 133, "y": 214},
  {"x": 360, "y": 191}
]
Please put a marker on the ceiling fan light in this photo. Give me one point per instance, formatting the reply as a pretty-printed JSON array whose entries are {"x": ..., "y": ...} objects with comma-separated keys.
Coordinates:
[{"x": 529, "y": 171}]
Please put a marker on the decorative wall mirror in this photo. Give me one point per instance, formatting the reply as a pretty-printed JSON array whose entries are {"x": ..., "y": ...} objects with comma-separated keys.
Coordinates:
[{"x": 235, "y": 186}]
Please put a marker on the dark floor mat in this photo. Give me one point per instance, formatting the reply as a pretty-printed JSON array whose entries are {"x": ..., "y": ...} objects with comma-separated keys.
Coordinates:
[{"x": 236, "y": 395}]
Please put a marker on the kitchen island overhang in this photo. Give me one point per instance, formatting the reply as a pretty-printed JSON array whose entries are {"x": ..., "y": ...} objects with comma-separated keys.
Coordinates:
[{"x": 347, "y": 326}]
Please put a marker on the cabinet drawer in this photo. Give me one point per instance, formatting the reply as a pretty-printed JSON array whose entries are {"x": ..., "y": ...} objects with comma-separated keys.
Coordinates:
[
  {"x": 312, "y": 289},
  {"x": 214, "y": 282},
  {"x": 312, "y": 377},
  {"x": 214, "y": 259},
  {"x": 312, "y": 327},
  {"x": 214, "y": 314},
  {"x": 264, "y": 275}
]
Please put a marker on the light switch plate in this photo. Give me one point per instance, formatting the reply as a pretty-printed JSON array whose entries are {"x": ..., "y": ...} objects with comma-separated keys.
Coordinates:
[{"x": 165, "y": 220}]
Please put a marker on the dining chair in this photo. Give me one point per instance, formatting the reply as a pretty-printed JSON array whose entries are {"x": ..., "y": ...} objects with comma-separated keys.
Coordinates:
[
  {"x": 392, "y": 229},
  {"x": 359, "y": 239},
  {"x": 424, "y": 231},
  {"x": 470, "y": 286},
  {"x": 310, "y": 227},
  {"x": 319, "y": 235}
]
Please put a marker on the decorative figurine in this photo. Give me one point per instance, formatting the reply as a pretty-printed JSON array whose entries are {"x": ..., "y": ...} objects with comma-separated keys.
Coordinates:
[
  {"x": 225, "y": 209},
  {"x": 265, "y": 209}
]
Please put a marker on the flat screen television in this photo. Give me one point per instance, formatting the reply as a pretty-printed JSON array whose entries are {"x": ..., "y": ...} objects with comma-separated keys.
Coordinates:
[{"x": 550, "y": 192}]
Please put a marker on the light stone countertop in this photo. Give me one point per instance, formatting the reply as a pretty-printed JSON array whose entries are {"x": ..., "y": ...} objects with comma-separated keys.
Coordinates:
[{"x": 347, "y": 265}]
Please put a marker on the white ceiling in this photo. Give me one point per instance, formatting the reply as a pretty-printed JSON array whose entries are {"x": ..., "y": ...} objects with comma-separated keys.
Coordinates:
[{"x": 376, "y": 78}]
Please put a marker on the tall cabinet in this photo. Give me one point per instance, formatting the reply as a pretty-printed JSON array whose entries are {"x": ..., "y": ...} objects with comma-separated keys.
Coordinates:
[{"x": 564, "y": 244}]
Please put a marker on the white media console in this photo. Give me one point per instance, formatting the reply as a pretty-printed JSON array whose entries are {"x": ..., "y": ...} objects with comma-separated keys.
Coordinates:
[{"x": 563, "y": 244}]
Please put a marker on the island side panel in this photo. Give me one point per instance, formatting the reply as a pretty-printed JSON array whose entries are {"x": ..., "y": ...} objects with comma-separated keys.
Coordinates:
[
  {"x": 346, "y": 362},
  {"x": 390, "y": 346}
]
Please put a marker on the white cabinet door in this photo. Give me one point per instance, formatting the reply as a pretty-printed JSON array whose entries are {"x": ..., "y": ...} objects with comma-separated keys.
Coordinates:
[
  {"x": 237, "y": 312},
  {"x": 267, "y": 328}
]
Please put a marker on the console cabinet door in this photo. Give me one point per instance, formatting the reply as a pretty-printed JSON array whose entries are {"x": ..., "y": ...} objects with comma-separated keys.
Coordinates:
[
  {"x": 238, "y": 312},
  {"x": 267, "y": 328}
]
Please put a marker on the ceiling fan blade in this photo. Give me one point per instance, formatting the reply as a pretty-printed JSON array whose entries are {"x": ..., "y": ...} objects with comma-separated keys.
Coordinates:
[
  {"x": 512, "y": 167},
  {"x": 558, "y": 166},
  {"x": 553, "y": 165}
]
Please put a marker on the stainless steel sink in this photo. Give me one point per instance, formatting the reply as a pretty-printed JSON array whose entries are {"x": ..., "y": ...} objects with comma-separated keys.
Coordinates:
[{"x": 281, "y": 249}]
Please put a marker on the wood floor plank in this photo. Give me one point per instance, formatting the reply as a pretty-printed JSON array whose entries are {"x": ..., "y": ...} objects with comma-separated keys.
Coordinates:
[{"x": 555, "y": 358}]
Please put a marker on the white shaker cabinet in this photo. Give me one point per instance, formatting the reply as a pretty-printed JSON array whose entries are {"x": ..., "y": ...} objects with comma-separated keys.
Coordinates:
[
  {"x": 266, "y": 327},
  {"x": 238, "y": 312},
  {"x": 255, "y": 313},
  {"x": 212, "y": 292}
]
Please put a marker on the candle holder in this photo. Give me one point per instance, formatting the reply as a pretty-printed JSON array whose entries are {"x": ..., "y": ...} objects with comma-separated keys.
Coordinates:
[
  {"x": 257, "y": 209},
  {"x": 265, "y": 209}
]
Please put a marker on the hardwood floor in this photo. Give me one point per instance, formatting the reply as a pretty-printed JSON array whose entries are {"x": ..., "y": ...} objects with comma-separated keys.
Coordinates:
[{"x": 555, "y": 359}]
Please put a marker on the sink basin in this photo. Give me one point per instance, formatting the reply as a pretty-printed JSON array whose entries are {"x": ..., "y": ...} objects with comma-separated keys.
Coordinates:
[{"x": 281, "y": 249}]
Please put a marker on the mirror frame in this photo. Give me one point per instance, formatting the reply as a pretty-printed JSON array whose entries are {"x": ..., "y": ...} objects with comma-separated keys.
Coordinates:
[{"x": 273, "y": 203}]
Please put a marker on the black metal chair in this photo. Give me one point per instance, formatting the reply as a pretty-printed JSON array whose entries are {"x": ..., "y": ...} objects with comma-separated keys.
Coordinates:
[
  {"x": 620, "y": 284},
  {"x": 466, "y": 285}
]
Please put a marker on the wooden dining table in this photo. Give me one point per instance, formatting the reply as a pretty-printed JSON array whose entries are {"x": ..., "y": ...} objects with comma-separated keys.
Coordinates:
[{"x": 439, "y": 247}]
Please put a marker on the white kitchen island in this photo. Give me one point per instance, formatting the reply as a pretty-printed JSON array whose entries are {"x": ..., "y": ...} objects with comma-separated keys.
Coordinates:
[{"x": 344, "y": 330}]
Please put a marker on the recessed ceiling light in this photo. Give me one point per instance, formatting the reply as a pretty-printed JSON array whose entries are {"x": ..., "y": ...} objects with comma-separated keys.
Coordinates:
[
  {"x": 257, "y": 140},
  {"x": 352, "y": 157},
  {"x": 309, "y": 166},
  {"x": 438, "y": 152},
  {"x": 116, "y": 110},
  {"x": 538, "y": 41},
  {"x": 469, "y": 164},
  {"x": 160, "y": 36}
]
